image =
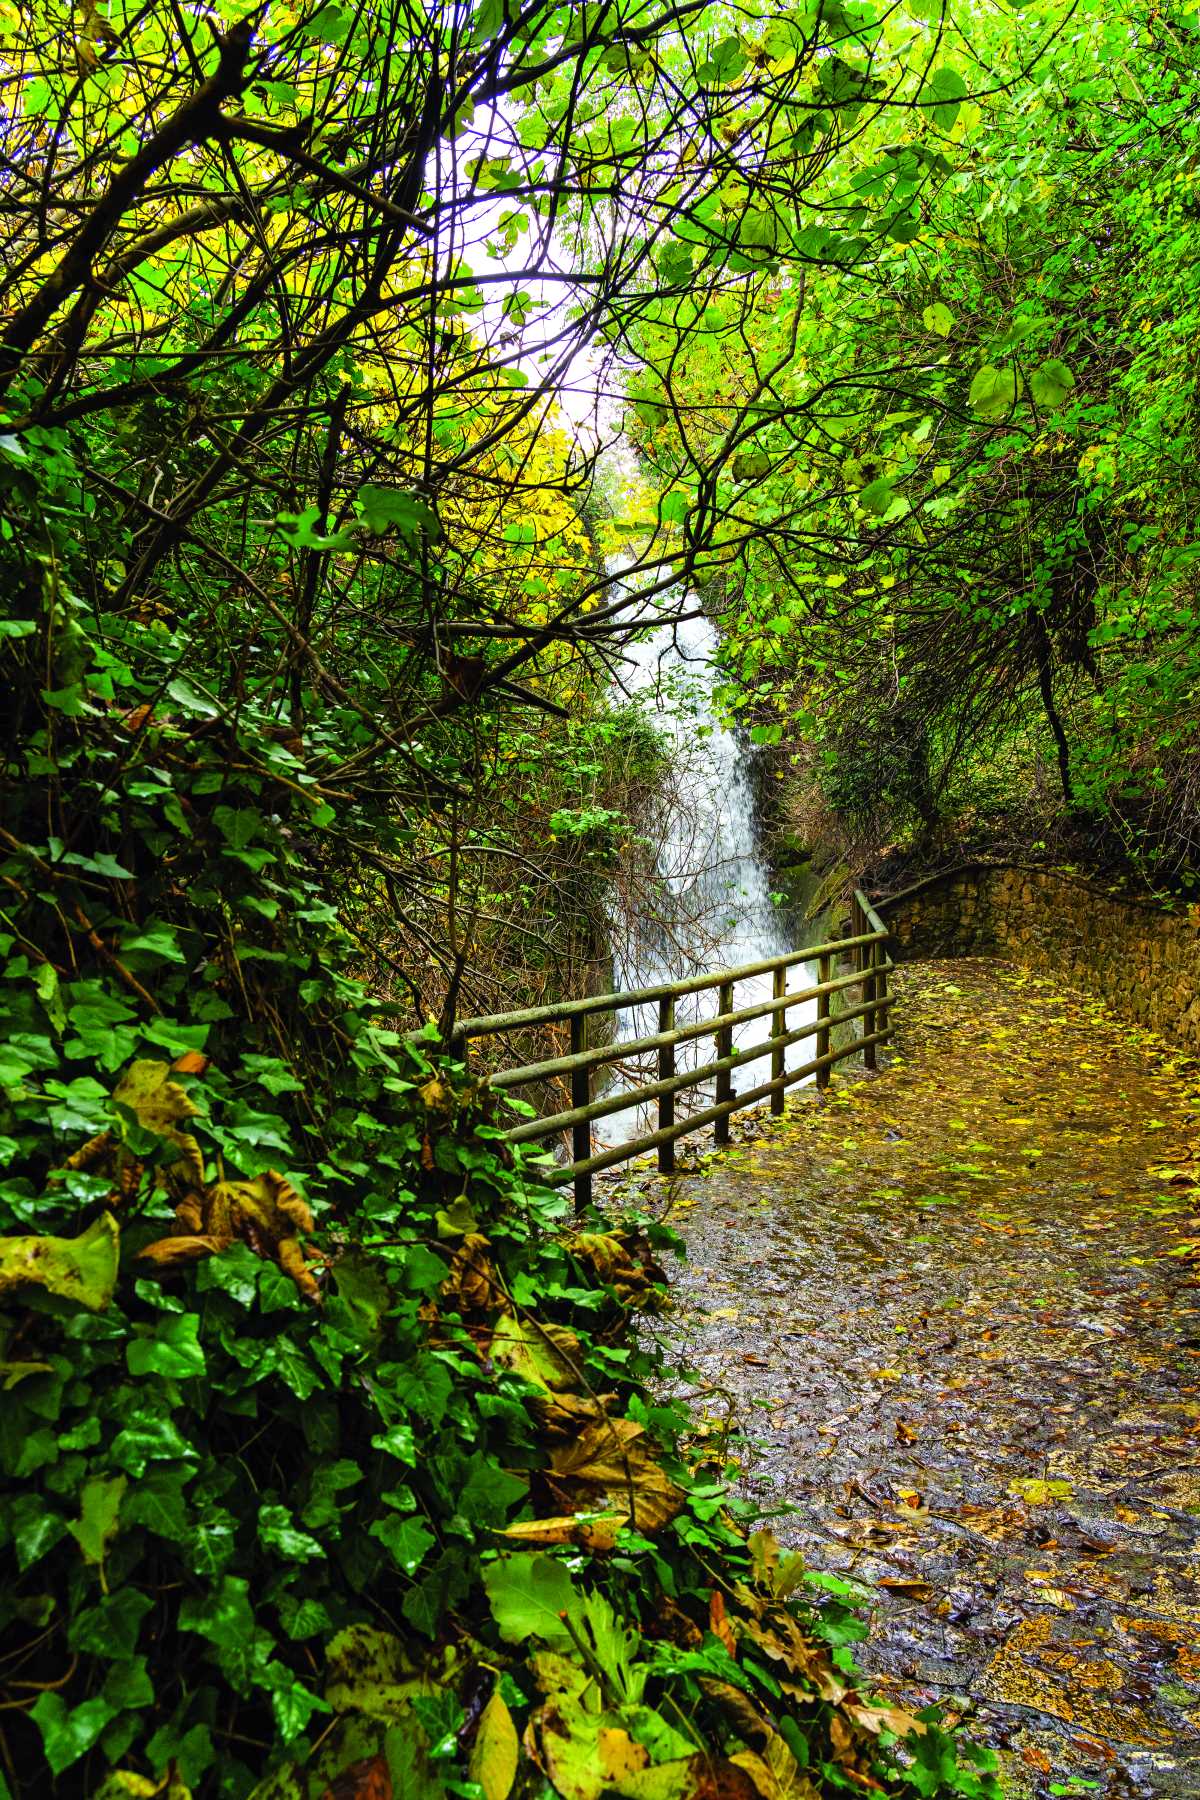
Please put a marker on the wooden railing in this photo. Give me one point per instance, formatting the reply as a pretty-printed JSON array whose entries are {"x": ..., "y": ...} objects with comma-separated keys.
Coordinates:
[{"x": 870, "y": 968}]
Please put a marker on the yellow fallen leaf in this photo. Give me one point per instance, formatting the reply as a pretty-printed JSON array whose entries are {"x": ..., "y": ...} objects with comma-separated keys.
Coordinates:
[
  {"x": 1038, "y": 1491},
  {"x": 495, "y": 1752}
]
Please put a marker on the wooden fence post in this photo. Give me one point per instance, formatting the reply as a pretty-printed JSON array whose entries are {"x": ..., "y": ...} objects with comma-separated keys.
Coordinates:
[
  {"x": 581, "y": 1095},
  {"x": 724, "y": 1048},
  {"x": 666, "y": 1068},
  {"x": 869, "y": 1018},
  {"x": 778, "y": 1027},
  {"x": 823, "y": 967}
]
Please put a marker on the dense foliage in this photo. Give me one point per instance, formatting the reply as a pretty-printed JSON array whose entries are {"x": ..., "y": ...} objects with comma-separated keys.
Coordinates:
[
  {"x": 326, "y": 1459},
  {"x": 293, "y": 1347},
  {"x": 958, "y": 477}
]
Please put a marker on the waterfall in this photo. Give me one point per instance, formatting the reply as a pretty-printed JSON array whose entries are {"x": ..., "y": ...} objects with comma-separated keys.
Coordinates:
[{"x": 714, "y": 908}]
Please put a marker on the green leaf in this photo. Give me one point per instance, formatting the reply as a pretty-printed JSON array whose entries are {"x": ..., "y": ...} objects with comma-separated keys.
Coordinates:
[
  {"x": 83, "y": 1268},
  {"x": 398, "y": 1441},
  {"x": 938, "y": 318},
  {"x": 994, "y": 392},
  {"x": 751, "y": 465},
  {"x": 1051, "y": 384},
  {"x": 381, "y": 508},
  {"x": 301, "y": 531},
  {"x": 277, "y": 1531},
  {"x": 877, "y": 496},
  {"x": 946, "y": 86},
  {"x": 186, "y": 695},
  {"x": 100, "y": 1503},
  {"x": 223, "y": 1615},
  {"x": 110, "y": 1628},
  {"x": 172, "y": 1350},
  {"x": 68, "y": 1734},
  {"x": 407, "y": 1540},
  {"x": 321, "y": 1511},
  {"x": 128, "y": 1684},
  {"x": 527, "y": 1594},
  {"x": 329, "y": 25}
]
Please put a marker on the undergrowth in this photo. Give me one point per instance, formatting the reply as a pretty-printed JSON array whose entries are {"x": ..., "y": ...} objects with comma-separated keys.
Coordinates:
[{"x": 328, "y": 1466}]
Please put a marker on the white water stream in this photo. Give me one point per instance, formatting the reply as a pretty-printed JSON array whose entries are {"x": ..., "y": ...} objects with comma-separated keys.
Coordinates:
[{"x": 716, "y": 910}]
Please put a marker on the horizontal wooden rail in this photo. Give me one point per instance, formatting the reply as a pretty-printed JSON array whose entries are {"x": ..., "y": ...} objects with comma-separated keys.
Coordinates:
[{"x": 869, "y": 972}]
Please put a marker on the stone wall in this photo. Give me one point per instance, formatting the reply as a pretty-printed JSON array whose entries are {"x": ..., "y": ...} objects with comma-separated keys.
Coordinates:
[{"x": 1144, "y": 962}]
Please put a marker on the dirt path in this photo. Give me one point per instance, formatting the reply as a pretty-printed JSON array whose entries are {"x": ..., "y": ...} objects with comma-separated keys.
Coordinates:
[{"x": 944, "y": 1306}]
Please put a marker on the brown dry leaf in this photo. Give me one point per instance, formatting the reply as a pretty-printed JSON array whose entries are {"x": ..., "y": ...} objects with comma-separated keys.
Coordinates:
[
  {"x": 265, "y": 1213},
  {"x": 566, "y": 1415},
  {"x": 472, "y": 1284},
  {"x": 367, "y": 1780},
  {"x": 611, "y": 1257},
  {"x": 911, "y": 1587},
  {"x": 589, "y": 1531},
  {"x": 783, "y": 1641},
  {"x": 718, "y": 1621},
  {"x": 877, "y": 1718},
  {"x": 776, "y": 1774},
  {"x": 780, "y": 1572},
  {"x": 610, "y": 1457},
  {"x": 178, "y": 1252},
  {"x": 738, "y": 1708}
]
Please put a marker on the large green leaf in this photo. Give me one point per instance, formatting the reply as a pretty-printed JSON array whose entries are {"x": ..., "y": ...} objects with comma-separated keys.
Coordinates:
[
  {"x": 947, "y": 86},
  {"x": 1051, "y": 384},
  {"x": 528, "y": 1595},
  {"x": 82, "y": 1268},
  {"x": 994, "y": 391}
]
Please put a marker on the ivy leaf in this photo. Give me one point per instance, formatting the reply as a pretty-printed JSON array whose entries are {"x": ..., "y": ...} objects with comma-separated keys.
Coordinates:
[
  {"x": 277, "y": 1531},
  {"x": 100, "y": 1503},
  {"x": 174, "y": 1350},
  {"x": 111, "y": 1627},
  {"x": 406, "y": 1539},
  {"x": 398, "y": 1441},
  {"x": 68, "y": 1734},
  {"x": 223, "y": 1615}
]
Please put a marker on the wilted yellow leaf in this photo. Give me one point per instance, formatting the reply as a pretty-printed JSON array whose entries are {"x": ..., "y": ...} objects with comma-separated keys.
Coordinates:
[{"x": 495, "y": 1751}]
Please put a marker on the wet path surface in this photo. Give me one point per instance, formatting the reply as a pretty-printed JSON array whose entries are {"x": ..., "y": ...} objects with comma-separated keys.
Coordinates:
[{"x": 952, "y": 1312}]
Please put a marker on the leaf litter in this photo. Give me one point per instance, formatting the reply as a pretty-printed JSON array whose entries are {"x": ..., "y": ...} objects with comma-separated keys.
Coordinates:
[{"x": 947, "y": 1318}]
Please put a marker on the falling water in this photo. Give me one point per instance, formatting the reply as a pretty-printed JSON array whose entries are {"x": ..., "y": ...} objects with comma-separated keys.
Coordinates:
[{"x": 714, "y": 909}]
